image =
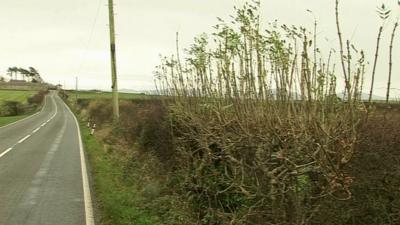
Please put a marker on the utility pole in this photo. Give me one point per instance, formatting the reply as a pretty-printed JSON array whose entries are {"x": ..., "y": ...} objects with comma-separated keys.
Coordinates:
[
  {"x": 113, "y": 62},
  {"x": 76, "y": 90}
]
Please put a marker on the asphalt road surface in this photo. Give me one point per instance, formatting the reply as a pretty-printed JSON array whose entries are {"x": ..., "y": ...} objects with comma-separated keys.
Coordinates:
[{"x": 43, "y": 177}]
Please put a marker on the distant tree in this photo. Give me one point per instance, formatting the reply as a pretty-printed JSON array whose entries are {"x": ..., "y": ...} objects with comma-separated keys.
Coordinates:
[
  {"x": 25, "y": 73},
  {"x": 12, "y": 71},
  {"x": 34, "y": 73},
  {"x": 15, "y": 70},
  {"x": 31, "y": 74},
  {"x": 2, "y": 79}
]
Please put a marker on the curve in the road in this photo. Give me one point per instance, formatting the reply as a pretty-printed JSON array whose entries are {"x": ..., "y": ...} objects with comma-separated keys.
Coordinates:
[
  {"x": 44, "y": 158},
  {"x": 32, "y": 133},
  {"x": 26, "y": 118}
]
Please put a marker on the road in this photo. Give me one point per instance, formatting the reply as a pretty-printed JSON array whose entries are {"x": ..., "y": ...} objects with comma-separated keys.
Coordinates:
[{"x": 43, "y": 177}]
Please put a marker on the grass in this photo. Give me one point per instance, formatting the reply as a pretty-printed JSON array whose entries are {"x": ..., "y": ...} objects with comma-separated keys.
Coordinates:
[
  {"x": 125, "y": 183},
  {"x": 11, "y": 119},
  {"x": 118, "y": 200},
  {"x": 106, "y": 95},
  {"x": 14, "y": 95}
]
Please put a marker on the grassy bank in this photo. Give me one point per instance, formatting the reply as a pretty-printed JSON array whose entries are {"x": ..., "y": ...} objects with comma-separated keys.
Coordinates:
[
  {"x": 117, "y": 199},
  {"x": 15, "y": 95},
  {"x": 21, "y": 98},
  {"x": 4, "y": 120},
  {"x": 127, "y": 184}
]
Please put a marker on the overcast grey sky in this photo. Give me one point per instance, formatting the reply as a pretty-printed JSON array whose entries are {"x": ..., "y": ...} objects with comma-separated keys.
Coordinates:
[{"x": 55, "y": 36}]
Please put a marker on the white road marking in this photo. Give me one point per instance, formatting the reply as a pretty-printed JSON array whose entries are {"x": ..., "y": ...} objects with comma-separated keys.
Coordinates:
[
  {"x": 23, "y": 139},
  {"x": 35, "y": 130},
  {"x": 85, "y": 179},
  {"x": 5, "y": 152}
]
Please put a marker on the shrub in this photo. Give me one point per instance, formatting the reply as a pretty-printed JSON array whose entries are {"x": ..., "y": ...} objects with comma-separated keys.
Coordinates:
[
  {"x": 375, "y": 170},
  {"x": 99, "y": 111},
  {"x": 38, "y": 98},
  {"x": 141, "y": 121},
  {"x": 146, "y": 122},
  {"x": 259, "y": 132},
  {"x": 12, "y": 108},
  {"x": 156, "y": 133}
]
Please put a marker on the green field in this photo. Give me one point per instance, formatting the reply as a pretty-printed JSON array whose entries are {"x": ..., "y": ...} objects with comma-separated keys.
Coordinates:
[
  {"x": 105, "y": 95},
  {"x": 14, "y": 95},
  {"x": 11, "y": 95},
  {"x": 4, "y": 120}
]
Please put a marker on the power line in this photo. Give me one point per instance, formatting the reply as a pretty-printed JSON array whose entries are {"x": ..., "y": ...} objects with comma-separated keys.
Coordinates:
[{"x": 86, "y": 48}]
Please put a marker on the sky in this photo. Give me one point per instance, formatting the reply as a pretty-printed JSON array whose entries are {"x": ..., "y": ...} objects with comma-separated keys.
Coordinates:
[{"x": 68, "y": 39}]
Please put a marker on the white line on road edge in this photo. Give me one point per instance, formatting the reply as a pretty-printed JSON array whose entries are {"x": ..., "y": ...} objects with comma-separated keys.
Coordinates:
[
  {"x": 44, "y": 105},
  {"x": 85, "y": 180}
]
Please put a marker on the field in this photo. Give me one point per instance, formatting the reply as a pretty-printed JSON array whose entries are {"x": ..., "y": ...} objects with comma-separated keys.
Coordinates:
[
  {"x": 105, "y": 95},
  {"x": 14, "y": 95},
  {"x": 4, "y": 120},
  {"x": 11, "y": 95}
]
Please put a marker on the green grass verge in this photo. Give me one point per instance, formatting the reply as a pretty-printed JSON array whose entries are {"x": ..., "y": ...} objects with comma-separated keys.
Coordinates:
[
  {"x": 14, "y": 95},
  {"x": 11, "y": 119},
  {"x": 119, "y": 203}
]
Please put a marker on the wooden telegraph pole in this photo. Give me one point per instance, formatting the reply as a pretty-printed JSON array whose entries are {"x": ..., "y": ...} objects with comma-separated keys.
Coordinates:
[
  {"x": 76, "y": 90},
  {"x": 113, "y": 62}
]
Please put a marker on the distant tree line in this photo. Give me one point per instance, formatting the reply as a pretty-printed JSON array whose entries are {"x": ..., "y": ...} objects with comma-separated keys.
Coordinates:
[{"x": 31, "y": 74}]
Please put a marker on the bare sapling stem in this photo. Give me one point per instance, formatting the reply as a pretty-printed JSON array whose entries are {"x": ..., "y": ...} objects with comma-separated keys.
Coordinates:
[
  {"x": 348, "y": 86},
  {"x": 179, "y": 64},
  {"x": 384, "y": 14},
  {"x": 391, "y": 61},
  {"x": 375, "y": 63},
  {"x": 342, "y": 57}
]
